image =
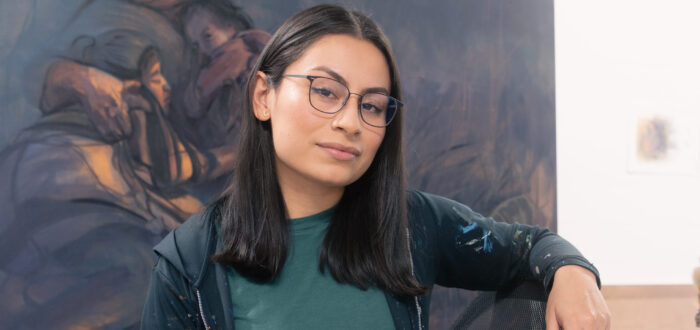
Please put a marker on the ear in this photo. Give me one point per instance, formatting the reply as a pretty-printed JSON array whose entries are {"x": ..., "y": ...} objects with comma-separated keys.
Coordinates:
[{"x": 262, "y": 97}]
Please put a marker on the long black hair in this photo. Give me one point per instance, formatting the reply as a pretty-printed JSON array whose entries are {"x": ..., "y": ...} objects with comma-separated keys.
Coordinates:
[{"x": 367, "y": 242}]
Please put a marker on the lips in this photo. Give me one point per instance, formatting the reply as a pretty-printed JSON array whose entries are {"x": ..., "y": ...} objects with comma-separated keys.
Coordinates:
[{"x": 339, "y": 151}]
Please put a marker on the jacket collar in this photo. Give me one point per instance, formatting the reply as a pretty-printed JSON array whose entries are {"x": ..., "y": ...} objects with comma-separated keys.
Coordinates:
[
  {"x": 184, "y": 248},
  {"x": 189, "y": 246}
]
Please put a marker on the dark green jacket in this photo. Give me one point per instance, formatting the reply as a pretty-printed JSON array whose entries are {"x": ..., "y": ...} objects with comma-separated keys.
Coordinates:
[{"x": 451, "y": 246}]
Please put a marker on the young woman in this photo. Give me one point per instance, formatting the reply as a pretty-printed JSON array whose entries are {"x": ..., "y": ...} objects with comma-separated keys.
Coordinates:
[{"x": 317, "y": 229}]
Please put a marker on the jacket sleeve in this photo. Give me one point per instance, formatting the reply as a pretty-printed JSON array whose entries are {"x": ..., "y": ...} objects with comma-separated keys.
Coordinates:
[
  {"x": 170, "y": 303},
  {"x": 474, "y": 252}
]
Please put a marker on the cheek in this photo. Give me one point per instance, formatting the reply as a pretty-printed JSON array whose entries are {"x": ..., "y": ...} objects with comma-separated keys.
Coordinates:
[
  {"x": 153, "y": 88},
  {"x": 292, "y": 113},
  {"x": 372, "y": 142},
  {"x": 217, "y": 39},
  {"x": 289, "y": 123}
]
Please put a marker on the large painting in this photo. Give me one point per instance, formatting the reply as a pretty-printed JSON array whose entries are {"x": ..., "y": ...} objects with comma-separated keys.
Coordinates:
[{"x": 119, "y": 119}]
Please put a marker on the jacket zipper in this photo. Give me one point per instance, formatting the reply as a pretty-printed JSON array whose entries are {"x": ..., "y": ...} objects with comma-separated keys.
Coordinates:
[
  {"x": 419, "y": 310},
  {"x": 201, "y": 310}
]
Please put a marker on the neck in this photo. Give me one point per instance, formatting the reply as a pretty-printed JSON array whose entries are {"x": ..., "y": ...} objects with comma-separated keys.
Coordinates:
[{"x": 303, "y": 198}]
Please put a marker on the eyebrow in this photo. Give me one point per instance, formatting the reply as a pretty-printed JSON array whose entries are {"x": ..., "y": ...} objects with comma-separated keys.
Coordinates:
[
  {"x": 339, "y": 78},
  {"x": 153, "y": 73}
]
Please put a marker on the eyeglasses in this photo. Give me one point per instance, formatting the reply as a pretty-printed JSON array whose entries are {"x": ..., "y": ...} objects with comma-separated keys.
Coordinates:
[{"x": 329, "y": 96}]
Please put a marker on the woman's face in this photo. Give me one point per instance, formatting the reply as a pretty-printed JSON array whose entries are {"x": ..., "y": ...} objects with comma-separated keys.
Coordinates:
[
  {"x": 152, "y": 78},
  {"x": 331, "y": 150}
]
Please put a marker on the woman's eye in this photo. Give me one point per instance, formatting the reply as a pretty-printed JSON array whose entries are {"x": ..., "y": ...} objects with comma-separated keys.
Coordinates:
[
  {"x": 369, "y": 107},
  {"x": 205, "y": 35},
  {"x": 323, "y": 92}
]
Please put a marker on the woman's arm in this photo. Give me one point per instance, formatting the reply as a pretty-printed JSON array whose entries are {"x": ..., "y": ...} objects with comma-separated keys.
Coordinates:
[
  {"x": 479, "y": 253},
  {"x": 100, "y": 94}
]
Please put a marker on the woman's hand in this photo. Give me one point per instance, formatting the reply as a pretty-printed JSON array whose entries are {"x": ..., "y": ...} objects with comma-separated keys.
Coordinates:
[
  {"x": 99, "y": 93},
  {"x": 103, "y": 102},
  {"x": 575, "y": 301}
]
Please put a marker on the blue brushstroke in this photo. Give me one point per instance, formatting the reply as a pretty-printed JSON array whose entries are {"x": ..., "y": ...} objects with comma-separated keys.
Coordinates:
[
  {"x": 466, "y": 229},
  {"x": 488, "y": 245}
]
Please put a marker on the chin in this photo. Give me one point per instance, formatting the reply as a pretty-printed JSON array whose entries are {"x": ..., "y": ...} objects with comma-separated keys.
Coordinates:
[
  {"x": 335, "y": 179},
  {"x": 337, "y": 182}
]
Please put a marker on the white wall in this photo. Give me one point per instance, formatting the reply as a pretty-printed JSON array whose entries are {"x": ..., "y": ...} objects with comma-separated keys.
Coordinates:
[{"x": 615, "y": 60}]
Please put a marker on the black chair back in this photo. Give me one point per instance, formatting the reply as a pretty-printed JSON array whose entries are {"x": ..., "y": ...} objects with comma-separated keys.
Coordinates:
[{"x": 521, "y": 307}]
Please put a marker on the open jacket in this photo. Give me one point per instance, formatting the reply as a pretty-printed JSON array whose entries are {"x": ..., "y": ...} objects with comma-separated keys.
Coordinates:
[{"x": 450, "y": 245}]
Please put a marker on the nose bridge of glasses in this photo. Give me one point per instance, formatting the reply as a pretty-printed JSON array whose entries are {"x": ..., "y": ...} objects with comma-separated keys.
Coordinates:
[
  {"x": 359, "y": 98},
  {"x": 357, "y": 105},
  {"x": 356, "y": 113}
]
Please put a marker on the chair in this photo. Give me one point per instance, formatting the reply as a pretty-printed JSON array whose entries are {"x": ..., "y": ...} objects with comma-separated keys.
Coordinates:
[{"x": 518, "y": 307}]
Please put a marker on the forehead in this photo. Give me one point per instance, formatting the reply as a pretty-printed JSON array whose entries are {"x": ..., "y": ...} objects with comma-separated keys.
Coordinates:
[
  {"x": 151, "y": 64},
  {"x": 197, "y": 17},
  {"x": 359, "y": 62}
]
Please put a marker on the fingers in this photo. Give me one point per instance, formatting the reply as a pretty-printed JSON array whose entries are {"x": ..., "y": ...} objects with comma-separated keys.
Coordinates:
[
  {"x": 106, "y": 127},
  {"x": 600, "y": 320},
  {"x": 136, "y": 101},
  {"x": 575, "y": 301},
  {"x": 570, "y": 312},
  {"x": 551, "y": 319},
  {"x": 132, "y": 86},
  {"x": 122, "y": 120},
  {"x": 112, "y": 122}
]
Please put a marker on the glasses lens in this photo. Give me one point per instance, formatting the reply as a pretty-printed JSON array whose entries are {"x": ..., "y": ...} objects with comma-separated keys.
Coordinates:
[
  {"x": 378, "y": 109},
  {"x": 327, "y": 95}
]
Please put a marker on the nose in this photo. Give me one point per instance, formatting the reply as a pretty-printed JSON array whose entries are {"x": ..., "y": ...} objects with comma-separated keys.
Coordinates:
[{"x": 348, "y": 117}]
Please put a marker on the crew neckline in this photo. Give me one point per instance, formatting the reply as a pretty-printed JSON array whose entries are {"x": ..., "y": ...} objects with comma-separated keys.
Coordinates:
[{"x": 318, "y": 220}]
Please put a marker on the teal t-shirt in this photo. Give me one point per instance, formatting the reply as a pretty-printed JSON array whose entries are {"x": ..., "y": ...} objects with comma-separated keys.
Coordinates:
[{"x": 303, "y": 298}]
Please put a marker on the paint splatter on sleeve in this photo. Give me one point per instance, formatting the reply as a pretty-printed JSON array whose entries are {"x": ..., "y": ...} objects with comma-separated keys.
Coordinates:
[{"x": 479, "y": 253}]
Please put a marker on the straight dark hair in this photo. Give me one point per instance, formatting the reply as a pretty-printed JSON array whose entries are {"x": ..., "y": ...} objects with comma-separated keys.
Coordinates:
[{"x": 367, "y": 241}]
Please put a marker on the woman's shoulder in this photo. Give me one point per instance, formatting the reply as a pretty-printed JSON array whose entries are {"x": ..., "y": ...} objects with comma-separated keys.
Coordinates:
[
  {"x": 428, "y": 210},
  {"x": 421, "y": 202},
  {"x": 188, "y": 247}
]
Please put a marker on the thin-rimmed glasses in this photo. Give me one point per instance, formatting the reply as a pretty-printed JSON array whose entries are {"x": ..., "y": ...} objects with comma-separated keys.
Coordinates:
[{"x": 328, "y": 95}]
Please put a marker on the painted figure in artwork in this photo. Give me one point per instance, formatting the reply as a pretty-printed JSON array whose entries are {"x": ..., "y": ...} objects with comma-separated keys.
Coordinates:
[
  {"x": 120, "y": 156},
  {"x": 208, "y": 114},
  {"x": 83, "y": 210}
]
